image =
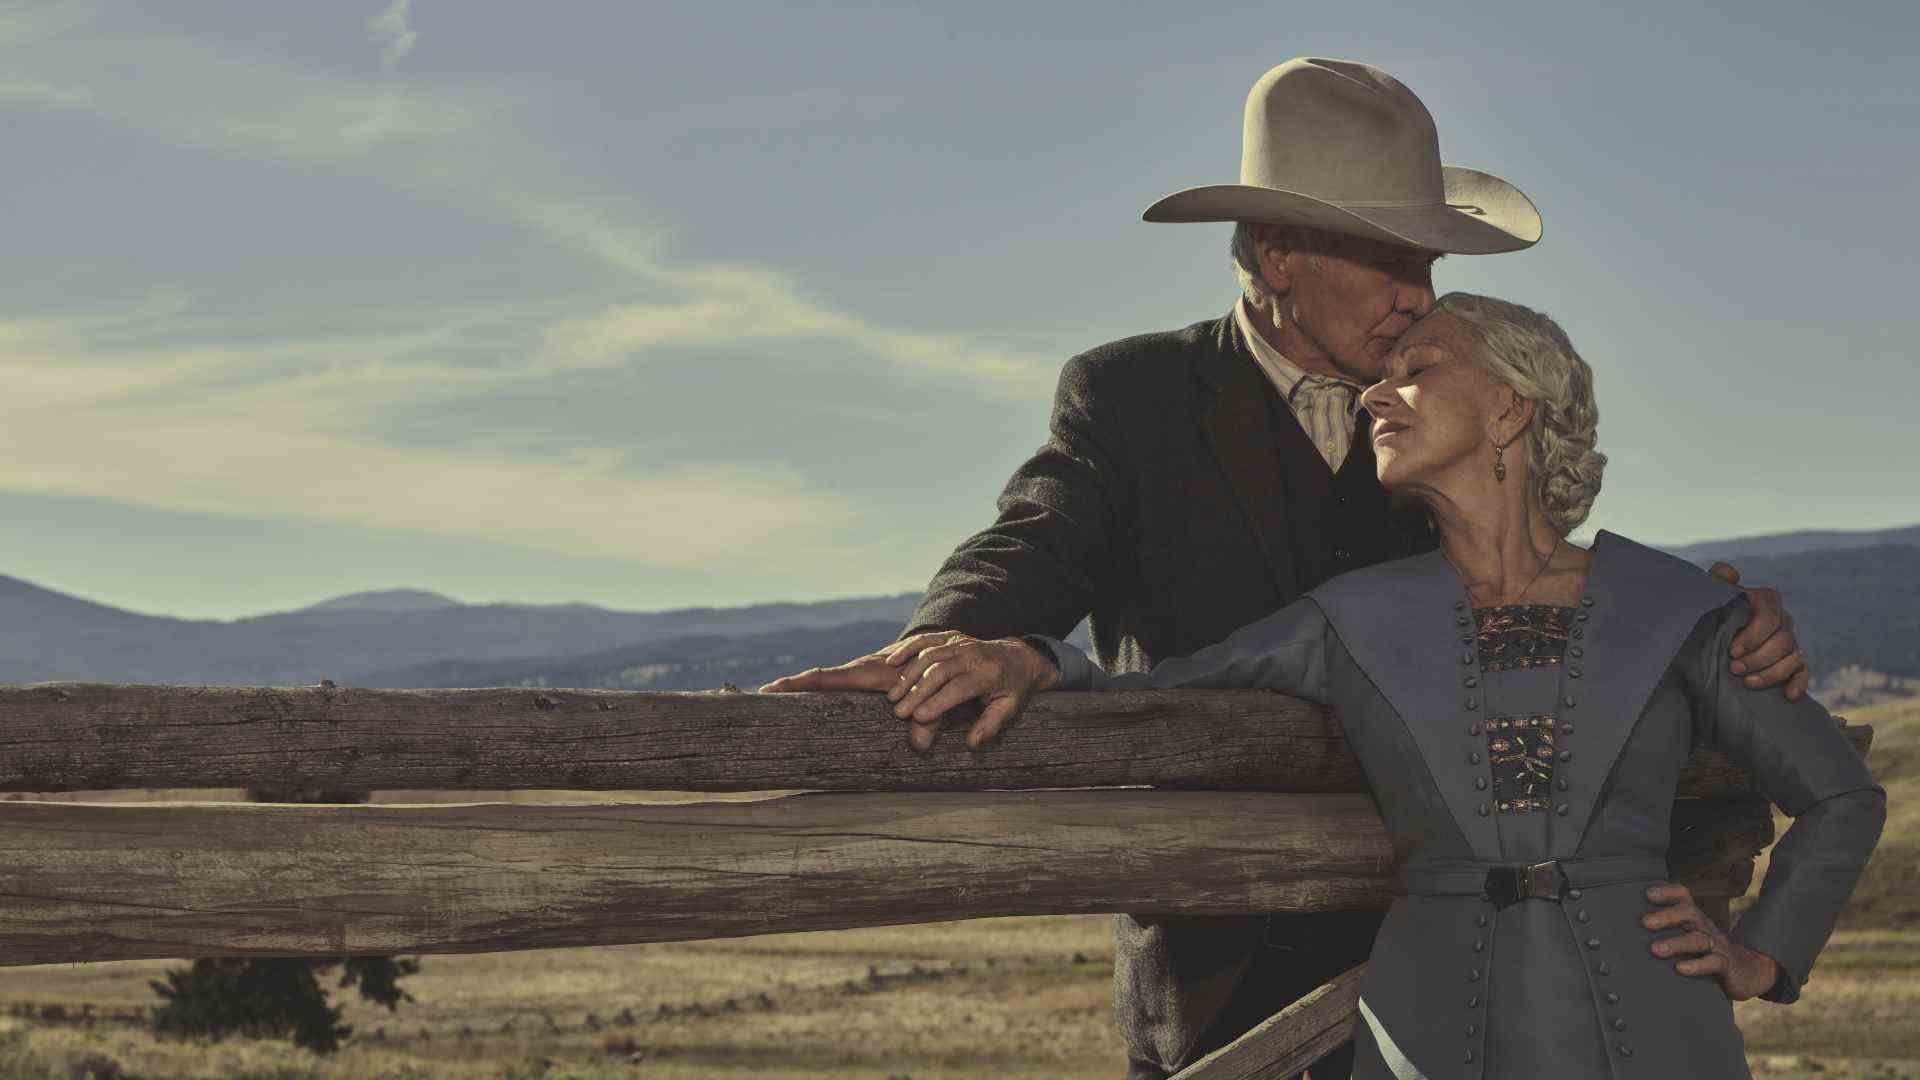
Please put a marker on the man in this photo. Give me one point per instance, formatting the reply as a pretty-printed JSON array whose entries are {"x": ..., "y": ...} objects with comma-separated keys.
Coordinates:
[{"x": 1198, "y": 479}]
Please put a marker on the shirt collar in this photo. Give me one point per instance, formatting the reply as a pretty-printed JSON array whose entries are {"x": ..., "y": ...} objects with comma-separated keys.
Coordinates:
[{"x": 1285, "y": 373}]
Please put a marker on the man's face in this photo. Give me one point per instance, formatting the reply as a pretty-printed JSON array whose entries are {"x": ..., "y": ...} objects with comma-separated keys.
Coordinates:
[{"x": 1354, "y": 298}]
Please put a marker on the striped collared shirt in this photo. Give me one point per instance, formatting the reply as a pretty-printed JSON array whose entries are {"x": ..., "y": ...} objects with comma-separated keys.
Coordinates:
[{"x": 1325, "y": 406}]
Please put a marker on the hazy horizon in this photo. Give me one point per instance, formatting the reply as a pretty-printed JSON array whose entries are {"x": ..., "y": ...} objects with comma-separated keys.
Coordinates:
[
  {"x": 674, "y": 305},
  {"x": 1583, "y": 537}
]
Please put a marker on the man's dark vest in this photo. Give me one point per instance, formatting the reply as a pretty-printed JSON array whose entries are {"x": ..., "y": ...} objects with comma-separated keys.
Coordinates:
[{"x": 1338, "y": 521}]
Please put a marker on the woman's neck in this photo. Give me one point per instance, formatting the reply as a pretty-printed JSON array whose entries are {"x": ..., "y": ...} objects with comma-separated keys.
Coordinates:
[{"x": 1505, "y": 550}]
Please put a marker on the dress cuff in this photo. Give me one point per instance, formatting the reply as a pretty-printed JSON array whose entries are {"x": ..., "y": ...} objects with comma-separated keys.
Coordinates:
[
  {"x": 1076, "y": 671},
  {"x": 1785, "y": 990}
]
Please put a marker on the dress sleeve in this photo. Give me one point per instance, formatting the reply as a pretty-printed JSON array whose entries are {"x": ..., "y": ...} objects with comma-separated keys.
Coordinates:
[
  {"x": 1806, "y": 766},
  {"x": 1285, "y": 651}
]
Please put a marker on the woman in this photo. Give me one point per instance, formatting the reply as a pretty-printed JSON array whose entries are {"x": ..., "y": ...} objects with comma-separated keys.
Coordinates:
[{"x": 1522, "y": 709}]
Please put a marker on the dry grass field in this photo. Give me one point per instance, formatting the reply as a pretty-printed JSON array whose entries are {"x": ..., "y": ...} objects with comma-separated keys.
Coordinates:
[{"x": 1022, "y": 998}]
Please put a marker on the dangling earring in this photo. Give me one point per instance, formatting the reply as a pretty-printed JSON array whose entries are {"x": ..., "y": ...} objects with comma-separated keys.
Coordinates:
[{"x": 1500, "y": 464}]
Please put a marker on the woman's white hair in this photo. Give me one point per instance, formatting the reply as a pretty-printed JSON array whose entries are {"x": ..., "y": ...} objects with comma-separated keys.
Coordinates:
[{"x": 1528, "y": 351}]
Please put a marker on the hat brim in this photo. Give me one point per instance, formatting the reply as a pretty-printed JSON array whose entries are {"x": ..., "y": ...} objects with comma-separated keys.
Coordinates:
[{"x": 1483, "y": 214}]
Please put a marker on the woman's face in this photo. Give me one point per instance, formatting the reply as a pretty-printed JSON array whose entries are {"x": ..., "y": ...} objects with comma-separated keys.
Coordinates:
[{"x": 1434, "y": 409}]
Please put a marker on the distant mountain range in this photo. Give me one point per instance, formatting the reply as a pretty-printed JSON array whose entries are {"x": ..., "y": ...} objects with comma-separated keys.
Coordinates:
[
  {"x": 1793, "y": 543},
  {"x": 45, "y": 635},
  {"x": 1855, "y": 596}
]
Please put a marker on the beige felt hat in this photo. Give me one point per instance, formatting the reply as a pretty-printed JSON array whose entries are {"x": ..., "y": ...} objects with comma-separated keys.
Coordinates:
[{"x": 1343, "y": 146}]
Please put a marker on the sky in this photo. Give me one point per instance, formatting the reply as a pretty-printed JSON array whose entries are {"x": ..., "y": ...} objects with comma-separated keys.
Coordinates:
[{"x": 669, "y": 304}]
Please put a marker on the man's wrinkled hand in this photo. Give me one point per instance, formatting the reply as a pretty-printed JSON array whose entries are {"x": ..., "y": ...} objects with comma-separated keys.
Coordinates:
[
  {"x": 935, "y": 675},
  {"x": 1766, "y": 651},
  {"x": 869, "y": 672}
]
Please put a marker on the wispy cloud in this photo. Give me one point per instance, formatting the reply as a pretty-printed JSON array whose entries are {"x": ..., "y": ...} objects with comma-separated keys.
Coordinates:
[
  {"x": 16, "y": 92},
  {"x": 180, "y": 416},
  {"x": 392, "y": 34}
]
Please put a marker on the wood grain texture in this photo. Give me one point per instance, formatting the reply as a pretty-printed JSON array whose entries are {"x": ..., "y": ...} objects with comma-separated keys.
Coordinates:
[
  {"x": 93, "y": 736},
  {"x": 82, "y": 882},
  {"x": 1278, "y": 1047}
]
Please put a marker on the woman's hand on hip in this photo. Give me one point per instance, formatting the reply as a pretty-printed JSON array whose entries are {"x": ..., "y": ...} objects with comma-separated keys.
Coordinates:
[
  {"x": 939, "y": 671},
  {"x": 1703, "y": 948}
]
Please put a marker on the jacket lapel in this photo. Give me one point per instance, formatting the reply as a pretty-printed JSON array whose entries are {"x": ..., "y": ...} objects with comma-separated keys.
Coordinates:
[
  {"x": 1644, "y": 603},
  {"x": 1237, "y": 427},
  {"x": 1402, "y": 622}
]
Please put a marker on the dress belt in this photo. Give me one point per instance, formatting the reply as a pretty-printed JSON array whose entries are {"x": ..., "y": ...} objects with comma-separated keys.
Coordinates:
[{"x": 1505, "y": 883}]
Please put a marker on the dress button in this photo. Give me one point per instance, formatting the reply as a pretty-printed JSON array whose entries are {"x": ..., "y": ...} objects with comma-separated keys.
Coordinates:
[
  {"x": 1593, "y": 943},
  {"x": 1566, "y": 755},
  {"x": 1472, "y": 1030},
  {"x": 1571, "y": 702},
  {"x": 1579, "y": 632},
  {"x": 1470, "y": 681},
  {"x": 1459, "y": 605},
  {"x": 1561, "y": 783},
  {"x": 1619, "y": 1024},
  {"x": 1561, "y": 809},
  {"x": 1625, "y": 1050},
  {"x": 1339, "y": 553},
  {"x": 1473, "y": 703},
  {"x": 1580, "y": 615},
  {"x": 1469, "y": 1057},
  {"x": 1466, "y": 639},
  {"x": 1612, "y": 998},
  {"x": 1460, "y": 620},
  {"x": 1482, "y": 810},
  {"x": 1581, "y": 915},
  {"x": 1473, "y": 974},
  {"x": 1566, "y": 729},
  {"x": 1466, "y": 658},
  {"x": 1574, "y": 894},
  {"x": 1573, "y": 672},
  {"x": 1576, "y": 651},
  {"x": 1586, "y": 601},
  {"x": 1479, "y": 920},
  {"x": 1473, "y": 758},
  {"x": 1473, "y": 729},
  {"x": 1479, "y": 783},
  {"x": 1480, "y": 946},
  {"x": 1604, "y": 968}
]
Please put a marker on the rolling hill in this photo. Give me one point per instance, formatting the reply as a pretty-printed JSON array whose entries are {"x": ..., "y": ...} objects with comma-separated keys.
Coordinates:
[{"x": 1857, "y": 603}]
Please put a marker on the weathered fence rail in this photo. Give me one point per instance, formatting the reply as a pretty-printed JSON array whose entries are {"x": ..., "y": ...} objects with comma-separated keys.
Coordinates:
[
  {"x": 893, "y": 843},
  {"x": 85, "y": 736}
]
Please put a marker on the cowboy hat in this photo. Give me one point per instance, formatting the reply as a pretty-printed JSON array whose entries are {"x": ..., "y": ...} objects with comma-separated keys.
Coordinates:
[{"x": 1345, "y": 147}]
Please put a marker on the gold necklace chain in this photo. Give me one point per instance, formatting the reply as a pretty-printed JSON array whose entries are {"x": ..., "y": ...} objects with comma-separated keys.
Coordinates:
[{"x": 1475, "y": 601}]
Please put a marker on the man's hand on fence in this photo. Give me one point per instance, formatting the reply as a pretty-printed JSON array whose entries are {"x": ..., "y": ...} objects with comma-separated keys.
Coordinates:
[
  {"x": 941, "y": 670},
  {"x": 869, "y": 672}
]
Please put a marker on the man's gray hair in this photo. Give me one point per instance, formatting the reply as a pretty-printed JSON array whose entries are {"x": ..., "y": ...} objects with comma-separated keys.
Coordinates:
[{"x": 1528, "y": 351}]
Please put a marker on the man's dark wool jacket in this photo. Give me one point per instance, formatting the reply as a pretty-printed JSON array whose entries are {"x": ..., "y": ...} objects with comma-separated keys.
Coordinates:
[{"x": 1176, "y": 500}]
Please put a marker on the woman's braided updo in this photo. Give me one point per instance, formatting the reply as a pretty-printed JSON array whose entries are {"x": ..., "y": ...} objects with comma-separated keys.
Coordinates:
[{"x": 1528, "y": 351}]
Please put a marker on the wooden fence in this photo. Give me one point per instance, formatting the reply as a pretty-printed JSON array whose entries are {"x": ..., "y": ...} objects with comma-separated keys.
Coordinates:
[{"x": 1197, "y": 802}]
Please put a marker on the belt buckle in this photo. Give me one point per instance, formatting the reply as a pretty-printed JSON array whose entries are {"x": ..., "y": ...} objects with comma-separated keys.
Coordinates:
[
  {"x": 1541, "y": 881},
  {"x": 1508, "y": 884}
]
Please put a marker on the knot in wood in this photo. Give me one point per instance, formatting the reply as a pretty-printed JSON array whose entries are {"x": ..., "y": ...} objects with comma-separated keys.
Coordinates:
[{"x": 545, "y": 702}]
